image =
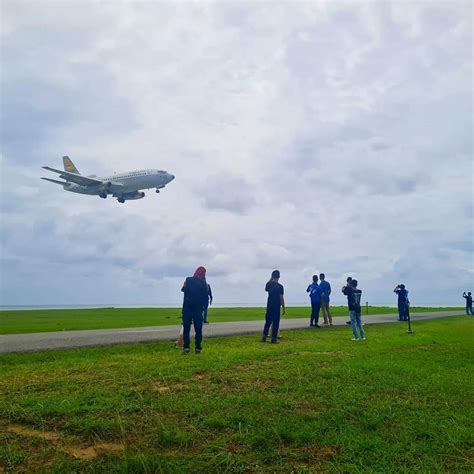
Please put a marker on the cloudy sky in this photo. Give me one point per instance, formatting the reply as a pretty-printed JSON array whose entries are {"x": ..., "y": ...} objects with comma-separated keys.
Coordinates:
[{"x": 311, "y": 137}]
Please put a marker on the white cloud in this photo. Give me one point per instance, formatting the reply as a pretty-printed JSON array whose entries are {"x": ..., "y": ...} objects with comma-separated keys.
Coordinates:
[{"x": 310, "y": 137}]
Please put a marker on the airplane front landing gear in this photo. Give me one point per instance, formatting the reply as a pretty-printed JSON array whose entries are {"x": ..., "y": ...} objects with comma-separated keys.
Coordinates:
[
  {"x": 103, "y": 195},
  {"x": 121, "y": 200},
  {"x": 157, "y": 190}
]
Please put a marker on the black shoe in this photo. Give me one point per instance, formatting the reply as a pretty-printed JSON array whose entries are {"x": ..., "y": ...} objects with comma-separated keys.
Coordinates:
[
  {"x": 185, "y": 351},
  {"x": 274, "y": 341},
  {"x": 311, "y": 325},
  {"x": 348, "y": 322},
  {"x": 198, "y": 351},
  {"x": 264, "y": 339},
  {"x": 317, "y": 326}
]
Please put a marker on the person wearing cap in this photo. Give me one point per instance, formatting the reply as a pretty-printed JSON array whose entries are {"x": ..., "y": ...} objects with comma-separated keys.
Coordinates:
[
  {"x": 195, "y": 298},
  {"x": 274, "y": 302}
]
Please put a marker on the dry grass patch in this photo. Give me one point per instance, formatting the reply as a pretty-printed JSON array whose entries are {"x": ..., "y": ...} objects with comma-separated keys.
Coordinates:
[{"x": 61, "y": 444}]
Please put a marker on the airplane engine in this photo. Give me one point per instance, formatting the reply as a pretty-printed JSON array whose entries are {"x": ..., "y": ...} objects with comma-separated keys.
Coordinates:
[
  {"x": 133, "y": 196},
  {"x": 106, "y": 186}
]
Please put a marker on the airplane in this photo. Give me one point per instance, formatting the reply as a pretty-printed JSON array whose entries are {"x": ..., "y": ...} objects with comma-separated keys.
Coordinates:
[{"x": 123, "y": 186}]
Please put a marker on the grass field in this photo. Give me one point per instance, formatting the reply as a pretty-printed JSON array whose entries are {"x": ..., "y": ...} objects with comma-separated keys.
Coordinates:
[
  {"x": 18, "y": 322},
  {"x": 316, "y": 402}
]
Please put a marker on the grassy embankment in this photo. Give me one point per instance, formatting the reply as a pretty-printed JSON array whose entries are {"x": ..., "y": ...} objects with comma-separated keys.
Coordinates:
[
  {"x": 316, "y": 402},
  {"x": 18, "y": 322}
]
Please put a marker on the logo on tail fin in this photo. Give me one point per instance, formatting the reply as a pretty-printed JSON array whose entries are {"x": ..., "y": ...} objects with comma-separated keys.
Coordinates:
[{"x": 69, "y": 165}]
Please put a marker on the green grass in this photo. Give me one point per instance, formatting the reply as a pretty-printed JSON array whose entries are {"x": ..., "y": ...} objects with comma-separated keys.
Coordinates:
[
  {"x": 18, "y": 322},
  {"x": 316, "y": 402}
]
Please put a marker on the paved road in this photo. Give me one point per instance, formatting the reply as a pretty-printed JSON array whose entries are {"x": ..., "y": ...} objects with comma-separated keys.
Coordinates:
[{"x": 103, "y": 337}]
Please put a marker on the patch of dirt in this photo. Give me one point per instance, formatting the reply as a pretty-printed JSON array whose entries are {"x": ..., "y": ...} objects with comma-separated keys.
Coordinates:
[
  {"x": 32, "y": 433},
  {"x": 92, "y": 452},
  {"x": 158, "y": 387},
  {"x": 319, "y": 453},
  {"x": 79, "y": 452}
]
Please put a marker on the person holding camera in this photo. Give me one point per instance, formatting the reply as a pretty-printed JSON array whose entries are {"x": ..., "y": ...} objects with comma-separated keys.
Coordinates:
[
  {"x": 353, "y": 299},
  {"x": 468, "y": 298},
  {"x": 275, "y": 301},
  {"x": 403, "y": 302}
]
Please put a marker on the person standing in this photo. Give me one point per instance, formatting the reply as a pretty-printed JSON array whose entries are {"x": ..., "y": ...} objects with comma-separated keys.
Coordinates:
[
  {"x": 353, "y": 298},
  {"x": 275, "y": 300},
  {"x": 325, "y": 292},
  {"x": 468, "y": 298},
  {"x": 347, "y": 285},
  {"x": 208, "y": 303},
  {"x": 403, "y": 302},
  {"x": 195, "y": 297},
  {"x": 314, "y": 291}
]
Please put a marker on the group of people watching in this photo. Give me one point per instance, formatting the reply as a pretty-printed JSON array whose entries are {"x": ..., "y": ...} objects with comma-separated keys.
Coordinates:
[{"x": 198, "y": 297}]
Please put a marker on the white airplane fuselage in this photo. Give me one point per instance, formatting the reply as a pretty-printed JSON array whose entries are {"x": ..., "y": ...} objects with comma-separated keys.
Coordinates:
[{"x": 130, "y": 181}]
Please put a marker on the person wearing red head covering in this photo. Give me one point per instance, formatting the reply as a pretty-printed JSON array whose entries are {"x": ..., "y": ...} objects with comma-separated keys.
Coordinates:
[
  {"x": 194, "y": 301},
  {"x": 200, "y": 273}
]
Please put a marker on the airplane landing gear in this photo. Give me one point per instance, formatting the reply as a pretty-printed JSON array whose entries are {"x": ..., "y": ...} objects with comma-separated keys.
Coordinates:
[
  {"x": 121, "y": 200},
  {"x": 157, "y": 190},
  {"x": 103, "y": 195}
]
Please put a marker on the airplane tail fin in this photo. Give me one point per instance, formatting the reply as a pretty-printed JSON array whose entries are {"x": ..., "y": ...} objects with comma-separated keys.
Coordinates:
[{"x": 69, "y": 165}]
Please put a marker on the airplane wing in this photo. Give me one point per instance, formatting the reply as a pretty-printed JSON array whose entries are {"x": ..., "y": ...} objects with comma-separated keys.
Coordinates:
[
  {"x": 63, "y": 183},
  {"x": 75, "y": 178}
]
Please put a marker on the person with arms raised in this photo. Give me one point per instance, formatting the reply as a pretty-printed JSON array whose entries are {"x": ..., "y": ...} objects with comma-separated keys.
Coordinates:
[{"x": 275, "y": 300}]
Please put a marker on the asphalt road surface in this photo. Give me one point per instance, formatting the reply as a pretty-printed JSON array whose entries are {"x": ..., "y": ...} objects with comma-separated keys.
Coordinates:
[{"x": 104, "y": 337}]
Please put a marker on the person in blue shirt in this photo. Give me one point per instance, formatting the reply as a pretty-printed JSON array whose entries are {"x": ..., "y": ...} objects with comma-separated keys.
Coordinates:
[
  {"x": 325, "y": 292},
  {"x": 314, "y": 291}
]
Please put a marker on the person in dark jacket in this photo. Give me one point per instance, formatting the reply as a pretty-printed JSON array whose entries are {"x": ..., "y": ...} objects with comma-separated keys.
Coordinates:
[
  {"x": 353, "y": 300},
  {"x": 468, "y": 298},
  {"x": 274, "y": 302},
  {"x": 403, "y": 303},
  {"x": 195, "y": 298},
  {"x": 347, "y": 285}
]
